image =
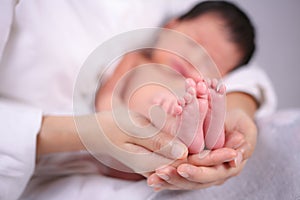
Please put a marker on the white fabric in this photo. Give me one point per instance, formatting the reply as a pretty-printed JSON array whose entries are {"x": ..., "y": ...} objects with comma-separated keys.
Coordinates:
[
  {"x": 17, "y": 147},
  {"x": 7, "y": 11},
  {"x": 253, "y": 81},
  {"x": 52, "y": 40},
  {"x": 47, "y": 44}
]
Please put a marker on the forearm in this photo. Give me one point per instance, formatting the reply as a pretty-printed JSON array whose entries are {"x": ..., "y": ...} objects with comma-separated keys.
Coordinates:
[{"x": 58, "y": 134}]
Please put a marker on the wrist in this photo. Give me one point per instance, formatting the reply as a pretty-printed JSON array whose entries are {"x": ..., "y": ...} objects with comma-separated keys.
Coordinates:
[
  {"x": 58, "y": 134},
  {"x": 241, "y": 101}
]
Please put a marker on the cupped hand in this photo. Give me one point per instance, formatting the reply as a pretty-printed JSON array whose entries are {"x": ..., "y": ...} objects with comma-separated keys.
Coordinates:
[
  {"x": 140, "y": 149},
  {"x": 200, "y": 171},
  {"x": 241, "y": 132},
  {"x": 218, "y": 165}
]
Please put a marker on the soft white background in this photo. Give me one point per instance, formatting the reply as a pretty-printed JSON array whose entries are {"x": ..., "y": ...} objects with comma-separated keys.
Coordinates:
[{"x": 278, "y": 31}]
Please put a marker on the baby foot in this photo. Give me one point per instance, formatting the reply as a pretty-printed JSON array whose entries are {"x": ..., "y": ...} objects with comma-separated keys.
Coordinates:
[
  {"x": 169, "y": 103},
  {"x": 190, "y": 122},
  {"x": 215, "y": 119}
]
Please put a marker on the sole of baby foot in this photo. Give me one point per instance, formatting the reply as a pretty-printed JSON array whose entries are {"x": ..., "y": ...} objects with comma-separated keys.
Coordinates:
[{"x": 215, "y": 119}]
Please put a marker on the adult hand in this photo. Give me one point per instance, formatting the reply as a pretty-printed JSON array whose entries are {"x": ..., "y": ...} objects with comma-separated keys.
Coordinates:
[
  {"x": 214, "y": 168},
  {"x": 200, "y": 171},
  {"x": 241, "y": 132},
  {"x": 138, "y": 144}
]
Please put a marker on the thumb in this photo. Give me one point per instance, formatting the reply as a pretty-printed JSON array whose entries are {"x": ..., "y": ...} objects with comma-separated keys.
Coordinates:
[
  {"x": 164, "y": 144},
  {"x": 146, "y": 135}
]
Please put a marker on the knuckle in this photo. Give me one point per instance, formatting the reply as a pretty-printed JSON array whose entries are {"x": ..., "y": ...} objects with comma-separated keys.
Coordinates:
[
  {"x": 157, "y": 143},
  {"x": 212, "y": 158},
  {"x": 236, "y": 172}
]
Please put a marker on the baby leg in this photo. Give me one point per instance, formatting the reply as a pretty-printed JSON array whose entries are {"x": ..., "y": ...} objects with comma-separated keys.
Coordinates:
[{"x": 215, "y": 119}]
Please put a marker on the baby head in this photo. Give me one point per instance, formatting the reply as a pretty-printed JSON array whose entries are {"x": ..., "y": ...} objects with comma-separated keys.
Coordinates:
[
  {"x": 234, "y": 25},
  {"x": 222, "y": 28}
]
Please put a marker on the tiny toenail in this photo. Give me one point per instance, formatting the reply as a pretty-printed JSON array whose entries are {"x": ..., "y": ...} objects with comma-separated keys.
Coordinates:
[
  {"x": 192, "y": 90},
  {"x": 219, "y": 85},
  {"x": 181, "y": 101}
]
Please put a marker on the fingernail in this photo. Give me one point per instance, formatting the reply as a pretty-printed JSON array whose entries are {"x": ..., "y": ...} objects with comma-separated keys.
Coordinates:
[
  {"x": 183, "y": 174},
  {"x": 157, "y": 189},
  {"x": 178, "y": 150},
  {"x": 203, "y": 154},
  {"x": 163, "y": 176},
  {"x": 229, "y": 160},
  {"x": 243, "y": 149},
  {"x": 238, "y": 159},
  {"x": 156, "y": 185}
]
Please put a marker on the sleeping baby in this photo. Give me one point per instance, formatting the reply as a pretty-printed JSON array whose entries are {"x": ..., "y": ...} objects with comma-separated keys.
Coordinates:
[{"x": 192, "y": 101}]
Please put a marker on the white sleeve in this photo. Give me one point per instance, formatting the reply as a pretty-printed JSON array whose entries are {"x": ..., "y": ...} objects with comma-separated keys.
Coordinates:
[
  {"x": 6, "y": 18},
  {"x": 253, "y": 81},
  {"x": 19, "y": 126}
]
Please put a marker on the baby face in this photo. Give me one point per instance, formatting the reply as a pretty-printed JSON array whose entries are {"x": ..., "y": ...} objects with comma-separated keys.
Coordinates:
[{"x": 210, "y": 32}]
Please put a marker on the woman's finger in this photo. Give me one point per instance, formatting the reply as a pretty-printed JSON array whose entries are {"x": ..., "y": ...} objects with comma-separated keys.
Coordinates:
[
  {"x": 208, "y": 174},
  {"x": 169, "y": 175},
  {"x": 139, "y": 159},
  {"x": 153, "y": 139},
  {"x": 171, "y": 180},
  {"x": 163, "y": 144},
  {"x": 237, "y": 124},
  {"x": 137, "y": 130},
  {"x": 212, "y": 158},
  {"x": 234, "y": 139}
]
